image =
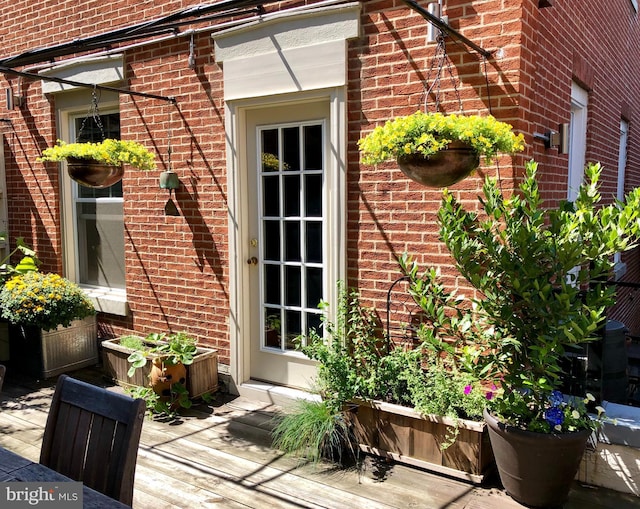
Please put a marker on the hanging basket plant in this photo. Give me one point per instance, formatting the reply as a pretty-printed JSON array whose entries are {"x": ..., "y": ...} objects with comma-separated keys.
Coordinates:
[
  {"x": 100, "y": 164},
  {"x": 438, "y": 150}
]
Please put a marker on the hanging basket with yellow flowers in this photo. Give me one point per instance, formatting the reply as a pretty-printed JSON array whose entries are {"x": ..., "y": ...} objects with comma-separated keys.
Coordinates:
[
  {"x": 100, "y": 164},
  {"x": 438, "y": 150}
]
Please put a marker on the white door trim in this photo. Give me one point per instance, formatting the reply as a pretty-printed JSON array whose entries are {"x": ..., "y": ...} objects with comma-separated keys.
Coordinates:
[{"x": 238, "y": 211}]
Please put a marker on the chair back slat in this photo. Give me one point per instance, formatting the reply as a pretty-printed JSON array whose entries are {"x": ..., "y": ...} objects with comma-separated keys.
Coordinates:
[
  {"x": 67, "y": 449},
  {"x": 92, "y": 435},
  {"x": 104, "y": 455}
]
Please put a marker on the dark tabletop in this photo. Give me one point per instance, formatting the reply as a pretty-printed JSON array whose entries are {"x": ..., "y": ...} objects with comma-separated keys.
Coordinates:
[{"x": 16, "y": 468}]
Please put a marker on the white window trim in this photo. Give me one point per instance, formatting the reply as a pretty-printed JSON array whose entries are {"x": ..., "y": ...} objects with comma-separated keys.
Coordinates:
[
  {"x": 620, "y": 268},
  {"x": 99, "y": 70},
  {"x": 578, "y": 139}
]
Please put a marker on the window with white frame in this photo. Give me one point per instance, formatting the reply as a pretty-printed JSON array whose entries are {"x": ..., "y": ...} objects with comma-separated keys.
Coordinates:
[
  {"x": 620, "y": 267},
  {"x": 93, "y": 219},
  {"x": 577, "y": 139},
  {"x": 98, "y": 215}
]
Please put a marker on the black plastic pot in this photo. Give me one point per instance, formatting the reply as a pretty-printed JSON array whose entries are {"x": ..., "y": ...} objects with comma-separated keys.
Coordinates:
[{"x": 536, "y": 469}]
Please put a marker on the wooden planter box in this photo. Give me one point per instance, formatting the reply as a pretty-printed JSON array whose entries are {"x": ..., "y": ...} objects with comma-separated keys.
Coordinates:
[
  {"x": 408, "y": 437},
  {"x": 202, "y": 375},
  {"x": 45, "y": 354}
]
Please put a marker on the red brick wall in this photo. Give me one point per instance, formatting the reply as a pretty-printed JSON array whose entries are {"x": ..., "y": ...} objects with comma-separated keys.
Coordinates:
[
  {"x": 177, "y": 267},
  {"x": 598, "y": 46},
  {"x": 389, "y": 70}
]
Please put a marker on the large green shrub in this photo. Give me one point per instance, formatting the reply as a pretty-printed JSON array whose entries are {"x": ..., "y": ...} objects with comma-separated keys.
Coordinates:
[{"x": 541, "y": 277}]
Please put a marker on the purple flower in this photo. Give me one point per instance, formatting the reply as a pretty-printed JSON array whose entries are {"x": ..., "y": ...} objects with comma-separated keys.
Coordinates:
[
  {"x": 489, "y": 395},
  {"x": 556, "y": 398},
  {"x": 467, "y": 389},
  {"x": 554, "y": 416}
]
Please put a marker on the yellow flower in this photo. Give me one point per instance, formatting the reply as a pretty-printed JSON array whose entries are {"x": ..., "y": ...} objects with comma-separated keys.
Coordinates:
[
  {"x": 427, "y": 133},
  {"x": 109, "y": 151}
]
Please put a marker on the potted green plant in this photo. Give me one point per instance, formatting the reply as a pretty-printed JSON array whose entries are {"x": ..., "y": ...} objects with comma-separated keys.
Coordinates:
[
  {"x": 170, "y": 356},
  {"x": 438, "y": 150},
  {"x": 52, "y": 325},
  {"x": 541, "y": 279},
  {"x": 28, "y": 262},
  {"x": 201, "y": 373},
  {"x": 100, "y": 164},
  {"x": 387, "y": 399}
]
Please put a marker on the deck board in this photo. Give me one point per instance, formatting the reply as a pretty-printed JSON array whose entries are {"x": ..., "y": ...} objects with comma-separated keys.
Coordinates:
[{"x": 219, "y": 455}]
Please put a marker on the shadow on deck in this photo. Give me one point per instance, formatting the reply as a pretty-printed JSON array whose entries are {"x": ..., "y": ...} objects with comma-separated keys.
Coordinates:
[{"x": 219, "y": 455}]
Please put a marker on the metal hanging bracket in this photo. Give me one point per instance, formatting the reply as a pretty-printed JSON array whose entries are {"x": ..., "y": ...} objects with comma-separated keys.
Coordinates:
[
  {"x": 446, "y": 28},
  {"x": 35, "y": 76}
]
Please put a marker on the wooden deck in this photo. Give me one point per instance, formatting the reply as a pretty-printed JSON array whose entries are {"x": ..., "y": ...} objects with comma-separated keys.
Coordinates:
[{"x": 218, "y": 456}]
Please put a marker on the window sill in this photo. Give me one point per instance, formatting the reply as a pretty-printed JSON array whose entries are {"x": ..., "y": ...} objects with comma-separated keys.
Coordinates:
[{"x": 113, "y": 302}]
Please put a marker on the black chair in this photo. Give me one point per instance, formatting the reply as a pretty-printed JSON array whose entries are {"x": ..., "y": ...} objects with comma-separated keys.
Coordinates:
[{"x": 92, "y": 435}]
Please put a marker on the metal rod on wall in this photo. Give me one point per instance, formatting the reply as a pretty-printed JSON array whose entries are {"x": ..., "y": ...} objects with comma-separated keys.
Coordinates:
[
  {"x": 25, "y": 74},
  {"x": 446, "y": 28}
]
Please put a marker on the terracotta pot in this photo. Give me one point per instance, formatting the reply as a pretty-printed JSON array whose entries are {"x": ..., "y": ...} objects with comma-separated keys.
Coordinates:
[
  {"x": 442, "y": 169},
  {"x": 164, "y": 375},
  {"x": 90, "y": 173},
  {"x": 536, "y": 469}
]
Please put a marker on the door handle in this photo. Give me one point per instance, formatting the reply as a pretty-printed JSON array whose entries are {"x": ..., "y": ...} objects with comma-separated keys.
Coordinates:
[{"x": 252, "y": 261}]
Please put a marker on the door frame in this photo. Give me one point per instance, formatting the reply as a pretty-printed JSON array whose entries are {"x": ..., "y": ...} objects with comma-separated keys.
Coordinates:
[{"x": 238, "y": 217}]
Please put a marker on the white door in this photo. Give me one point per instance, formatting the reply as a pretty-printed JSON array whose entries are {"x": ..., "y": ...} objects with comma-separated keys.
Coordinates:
[{"x": 287, "y": 245}]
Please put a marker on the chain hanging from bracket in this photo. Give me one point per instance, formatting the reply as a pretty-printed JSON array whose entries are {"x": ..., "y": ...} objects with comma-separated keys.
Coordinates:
[
  {"x": 440, "y": 62},
  {"x": 169, "y": 149},
  {"x": 94, "y": 114}
]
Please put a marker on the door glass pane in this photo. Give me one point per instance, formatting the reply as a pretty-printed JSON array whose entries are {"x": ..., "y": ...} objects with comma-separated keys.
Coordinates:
[
  {"x": 270, "y": 150},
  {"x": 314, "y": 287},
  {"x": 272, "y": 284},
  {"x": 272, "y": 240},
  {"x": 293, "y": 328},
  {"x": 314, "y": 242},
  {"x": 313, "y": 147},
  {"x": 292, "y": 285},
  {"x": 271, "y": 196},
  {"x": 272, "y": 328},
  {"x": 292, "y": 241},
  {"x": 291, "y": 148},
  {"x": 291, "y": 195},
  {"x": 314, "y": 321},
  {"x": 291, "y": 231},
  {"x": 313, "y": 199}
]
